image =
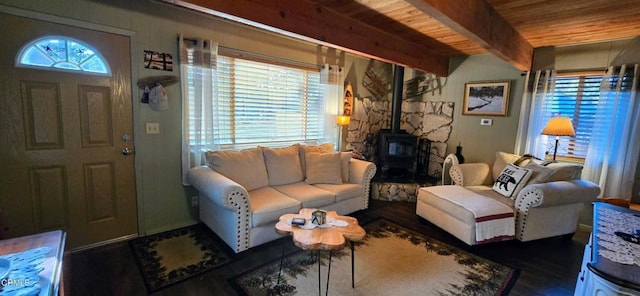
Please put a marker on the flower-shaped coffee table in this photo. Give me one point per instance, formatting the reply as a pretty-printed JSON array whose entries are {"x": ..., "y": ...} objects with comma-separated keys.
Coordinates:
[{"x": 324, "y": 237}]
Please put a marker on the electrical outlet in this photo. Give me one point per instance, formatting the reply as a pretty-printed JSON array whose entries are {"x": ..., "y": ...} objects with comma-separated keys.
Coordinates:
[
  {"x": 194, "y": 201},
  {"x": 152, "y": 128}
]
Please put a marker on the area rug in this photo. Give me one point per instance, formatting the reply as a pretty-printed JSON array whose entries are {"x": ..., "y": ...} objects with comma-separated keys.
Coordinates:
[
  {"x": 171, "y": 257},
  {"x": 391, "y": 260}
]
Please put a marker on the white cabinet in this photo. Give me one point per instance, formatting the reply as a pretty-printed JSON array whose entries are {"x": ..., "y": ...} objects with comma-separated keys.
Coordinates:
[
  {"x": 601, "y": 276},
  {"x": 590, "y": 283}
]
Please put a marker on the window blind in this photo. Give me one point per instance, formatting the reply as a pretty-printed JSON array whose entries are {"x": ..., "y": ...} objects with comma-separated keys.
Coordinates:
[
  {"x": 266, "y": 104},
  {"x": 576, "y": 97}
]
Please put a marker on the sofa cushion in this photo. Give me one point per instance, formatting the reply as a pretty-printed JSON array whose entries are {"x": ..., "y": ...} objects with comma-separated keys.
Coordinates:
[
  {"x": 488, "y": 192},
  {"x": 323, "y": 168},
  {"x": 343, "y": 191},
  {"x": 489, "y": 219},
  {"x": 345, "y": 158},
  {"x": 309, "y": 195},
  {"x": 511, "y": 180},
  {"x": 502, "y": 159},
  {"x": 245, "y": 167},
  {"x": 283, "y": 165},
  {"x": 539, "y": 173},
  {"x": 268, "y": 204},
  {"x": 565, "y": 171},
  {"x": 438, "y": 197},
  {"x": 304, "y": 149}
]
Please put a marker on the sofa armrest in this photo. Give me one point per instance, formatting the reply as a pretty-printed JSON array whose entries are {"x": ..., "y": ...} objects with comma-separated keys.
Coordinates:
[
  {"x": 218, "y": 188},
  {"x": 557, "y": 193},
  {"x": 362, "y": 172},
  {"x": 471, "y": 174}
]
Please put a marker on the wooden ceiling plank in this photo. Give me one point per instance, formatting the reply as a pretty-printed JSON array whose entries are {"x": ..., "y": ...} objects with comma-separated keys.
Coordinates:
[
  {"x": 309, "y": 21},
  {"x": 481, "y": 23}
]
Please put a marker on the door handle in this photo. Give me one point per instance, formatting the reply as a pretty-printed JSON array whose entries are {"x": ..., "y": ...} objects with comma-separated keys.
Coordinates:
[{"x": 127, "y": 151}]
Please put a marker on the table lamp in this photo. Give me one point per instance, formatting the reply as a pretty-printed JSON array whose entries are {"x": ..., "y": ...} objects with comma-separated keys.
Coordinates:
[{"x": 558, "y": 126}]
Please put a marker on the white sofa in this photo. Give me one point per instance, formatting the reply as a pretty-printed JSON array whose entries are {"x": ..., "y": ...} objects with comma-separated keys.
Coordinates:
[
  {"x": 547, "y": 205},
  {"x": 243, "y": 193}
]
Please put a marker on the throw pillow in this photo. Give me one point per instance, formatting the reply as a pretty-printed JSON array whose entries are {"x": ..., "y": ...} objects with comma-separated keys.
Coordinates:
[
  {"x": 511, "y": 180},
  {"x": 245, "y": 167},
  {"x": 527, "y": 158},
  {"x": 345, "y": 158},
  {"x": 539, "y": 173},
  {"x": 502, "y": 159},
  {"x": 304, "y": 149},
  {"x": 565, "y": 171},
  {"x": 283, "y": 165},
  {"x": 323, "y": 168}
]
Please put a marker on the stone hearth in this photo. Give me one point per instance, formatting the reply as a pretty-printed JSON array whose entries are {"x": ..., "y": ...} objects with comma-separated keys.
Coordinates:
[
  {"x": 391, "y": 191},
  {"x": 398, "y": 191}
]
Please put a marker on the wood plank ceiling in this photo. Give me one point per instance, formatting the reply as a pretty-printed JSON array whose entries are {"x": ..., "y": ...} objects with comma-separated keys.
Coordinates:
[{"x": 424, "y": 34}]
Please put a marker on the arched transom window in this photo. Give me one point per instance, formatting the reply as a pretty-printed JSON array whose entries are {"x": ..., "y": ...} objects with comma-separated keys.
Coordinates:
[{"x": 63, "y": 54}]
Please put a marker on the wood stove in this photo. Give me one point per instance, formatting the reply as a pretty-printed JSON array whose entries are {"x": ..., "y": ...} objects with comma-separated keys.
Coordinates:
[
  {"x": 397, "y": 155},
  {"x": 397, "y": 150}
]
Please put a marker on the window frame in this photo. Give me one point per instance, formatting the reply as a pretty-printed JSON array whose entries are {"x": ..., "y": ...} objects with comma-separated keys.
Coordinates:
[
  {"x": 581, "y": 102},
  {"x": 34, "y": 44},
  {"x": 225, "y": 133}
]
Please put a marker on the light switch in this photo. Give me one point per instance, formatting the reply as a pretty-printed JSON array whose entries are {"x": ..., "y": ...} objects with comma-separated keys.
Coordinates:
[
  {"x": 153, "y": 128},
  {"x": 486, "y": 121}
]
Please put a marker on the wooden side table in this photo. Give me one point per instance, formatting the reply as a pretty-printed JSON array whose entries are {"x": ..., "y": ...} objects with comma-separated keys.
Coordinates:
[
  {"x": 330, "y": 238},
  {"x": 51, "y": 277},
  {"x": 618, "y": 201}
]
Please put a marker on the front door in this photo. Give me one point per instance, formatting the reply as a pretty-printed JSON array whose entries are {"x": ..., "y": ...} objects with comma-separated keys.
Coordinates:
[{"x": 62, "y": 135}]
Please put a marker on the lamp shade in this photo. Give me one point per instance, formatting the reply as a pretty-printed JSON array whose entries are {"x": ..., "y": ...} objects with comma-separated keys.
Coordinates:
[
  {"x": 343, "y": 120},
  {"x": 559, "y": 126}
]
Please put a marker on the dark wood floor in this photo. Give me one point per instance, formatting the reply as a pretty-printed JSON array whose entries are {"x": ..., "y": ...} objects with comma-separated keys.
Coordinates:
[{"x": 547, "y": 267}]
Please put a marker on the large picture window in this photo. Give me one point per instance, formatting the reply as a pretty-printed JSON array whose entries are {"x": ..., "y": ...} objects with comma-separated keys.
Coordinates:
[
  {"x": 575, "y": 96},
  {"x": 603, "y": 107},
  {"x": 266, "y": 104},
  {"x": 234, "y": 100}
]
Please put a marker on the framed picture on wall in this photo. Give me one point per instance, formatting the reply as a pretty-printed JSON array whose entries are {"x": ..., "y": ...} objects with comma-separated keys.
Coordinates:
[{"x": 486, "y": 98}]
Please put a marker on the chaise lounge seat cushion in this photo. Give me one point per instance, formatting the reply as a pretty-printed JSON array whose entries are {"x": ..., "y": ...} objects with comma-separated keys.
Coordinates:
[
  {"x": 472, "y": 217},
  {"x": 490, "y": 193}
]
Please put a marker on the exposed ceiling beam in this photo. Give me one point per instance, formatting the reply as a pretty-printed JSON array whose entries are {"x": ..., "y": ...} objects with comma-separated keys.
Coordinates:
[
  {"x": 478, "y": 21},
  {"x": 310, "y": 21}
]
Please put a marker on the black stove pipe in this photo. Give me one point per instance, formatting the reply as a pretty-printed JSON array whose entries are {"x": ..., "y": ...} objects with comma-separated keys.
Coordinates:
[{"x": 396, "y": 98}]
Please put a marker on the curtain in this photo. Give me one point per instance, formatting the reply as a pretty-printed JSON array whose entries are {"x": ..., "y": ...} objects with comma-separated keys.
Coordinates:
[
  {"x": 538, "y": 88},
  {"x": 199, "y": 96},
  {"x": 331, "y": 78},
  {"x": 612, "y": 155}
]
